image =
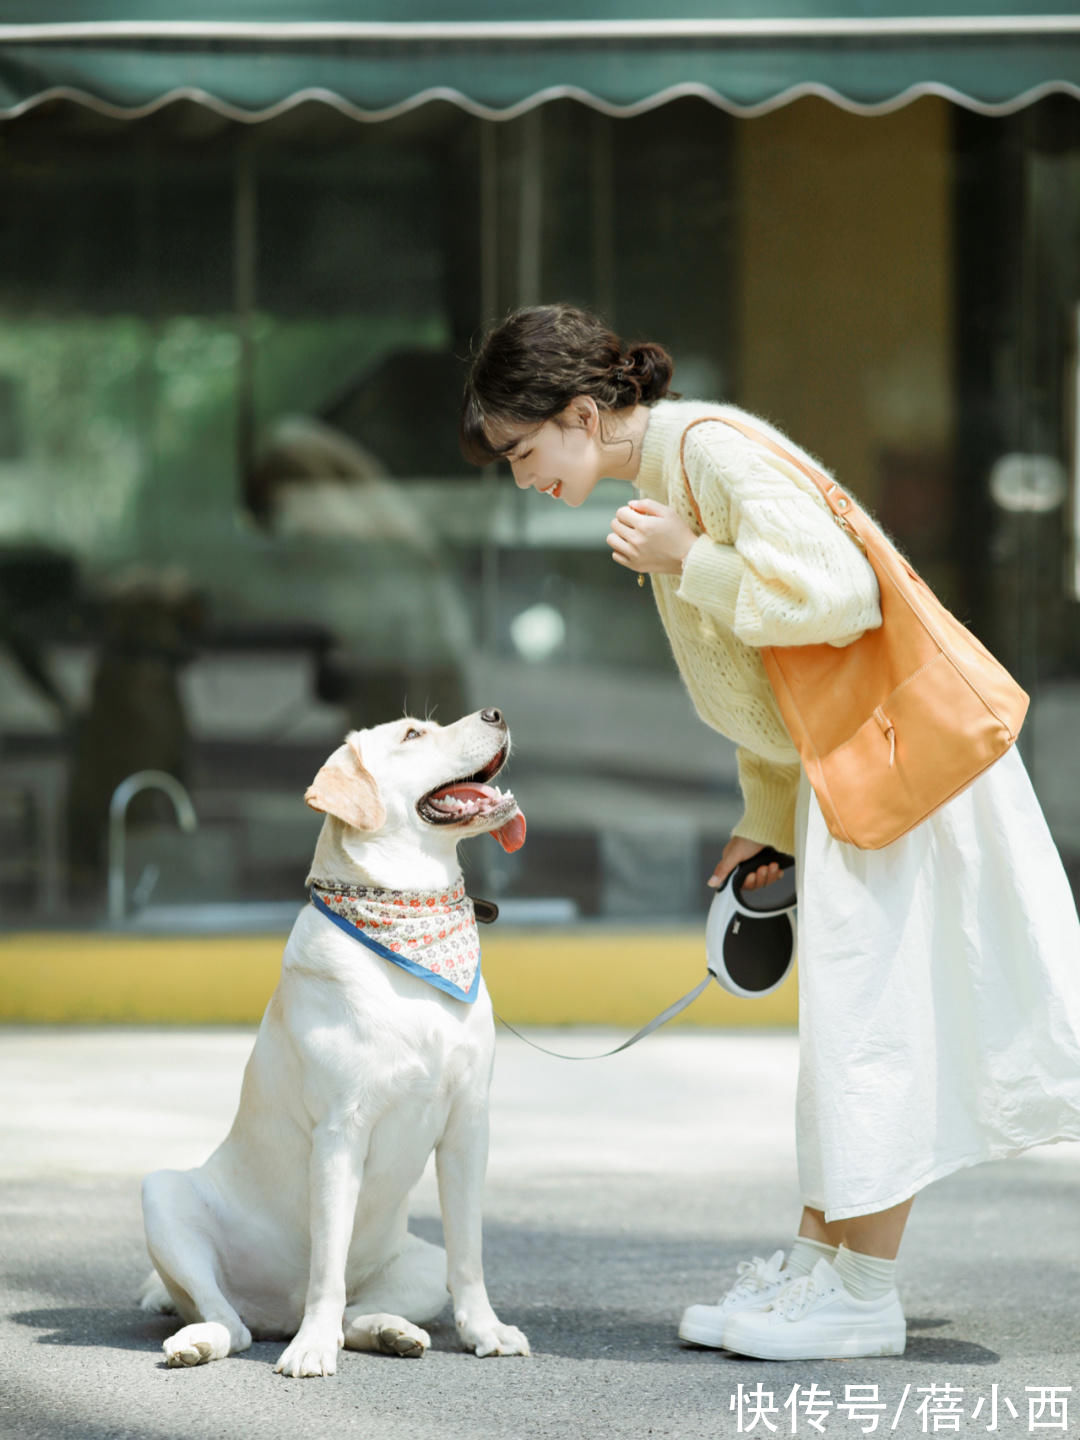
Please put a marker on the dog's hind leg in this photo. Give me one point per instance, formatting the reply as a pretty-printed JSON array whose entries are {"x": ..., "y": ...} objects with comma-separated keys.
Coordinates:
[
  {"x": 154, "y": 1297},
  {"x": 411, "y": 1285},
  {"x": 181, "y": 1249}
]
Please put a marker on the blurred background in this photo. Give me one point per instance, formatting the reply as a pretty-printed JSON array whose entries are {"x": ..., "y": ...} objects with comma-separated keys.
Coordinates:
[{"x": 240, "y": 276}]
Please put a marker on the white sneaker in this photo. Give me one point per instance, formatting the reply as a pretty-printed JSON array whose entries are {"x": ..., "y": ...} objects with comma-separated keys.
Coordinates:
[
  {"x": 816, "y": 1318},
  {"x": 759, "y": 1282}
]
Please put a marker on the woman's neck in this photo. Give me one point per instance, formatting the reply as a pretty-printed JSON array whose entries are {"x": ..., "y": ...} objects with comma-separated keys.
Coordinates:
[{"x": 625, "y": 425}]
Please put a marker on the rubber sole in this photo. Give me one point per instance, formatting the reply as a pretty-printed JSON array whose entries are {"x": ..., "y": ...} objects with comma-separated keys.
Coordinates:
[
  {"x": 701, "y": 1335},
  {"x": 861, "y": 1347}
]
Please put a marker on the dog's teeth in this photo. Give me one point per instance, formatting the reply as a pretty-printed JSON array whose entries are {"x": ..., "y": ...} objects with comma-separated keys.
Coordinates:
[{"x": 461, "y": 809}]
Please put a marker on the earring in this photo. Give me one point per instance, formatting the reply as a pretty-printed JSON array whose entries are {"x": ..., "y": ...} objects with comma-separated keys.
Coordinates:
[{"x": 641, "y": 582}]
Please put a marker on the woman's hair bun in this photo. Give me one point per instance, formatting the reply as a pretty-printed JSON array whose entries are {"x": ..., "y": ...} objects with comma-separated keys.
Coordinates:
[
  {"x": 650, "y": 367},
  {"x": 536, "y": 361}
]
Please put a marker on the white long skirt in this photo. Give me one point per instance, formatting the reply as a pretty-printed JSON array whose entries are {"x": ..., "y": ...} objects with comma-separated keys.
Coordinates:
[{"x": 939, "y": 997}]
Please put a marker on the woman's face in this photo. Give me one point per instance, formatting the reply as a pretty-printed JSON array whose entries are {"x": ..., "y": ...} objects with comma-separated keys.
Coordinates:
[{"x": 561, "y": 458}]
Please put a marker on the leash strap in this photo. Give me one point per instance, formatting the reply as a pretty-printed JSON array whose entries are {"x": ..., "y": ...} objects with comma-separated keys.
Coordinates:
[{"x": 654, "y": 1024}]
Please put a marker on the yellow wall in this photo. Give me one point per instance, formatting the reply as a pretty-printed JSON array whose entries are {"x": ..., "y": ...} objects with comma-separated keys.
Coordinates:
[
  {"x": 535, "y": 978},
  {"x": 844, "y": 280}
]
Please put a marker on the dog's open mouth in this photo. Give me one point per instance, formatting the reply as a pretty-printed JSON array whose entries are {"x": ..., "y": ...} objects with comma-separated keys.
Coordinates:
[{"x": 464, "y": 801}]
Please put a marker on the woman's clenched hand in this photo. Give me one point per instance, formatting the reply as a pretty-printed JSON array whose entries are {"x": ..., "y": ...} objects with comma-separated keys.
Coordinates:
[
  {"x": 651, "y": 538},
  {"x": 738, "y": 849}
]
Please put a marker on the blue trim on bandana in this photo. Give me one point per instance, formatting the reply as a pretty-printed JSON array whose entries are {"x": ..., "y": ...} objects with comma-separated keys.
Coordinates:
[{"x": 428, "y": 976}]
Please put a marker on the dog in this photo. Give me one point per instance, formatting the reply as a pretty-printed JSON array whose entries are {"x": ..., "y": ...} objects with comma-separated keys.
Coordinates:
[{"x": 365, "y": 1062}]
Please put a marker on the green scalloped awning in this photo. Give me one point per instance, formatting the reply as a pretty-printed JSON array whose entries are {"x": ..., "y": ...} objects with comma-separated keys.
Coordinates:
[{"x": 374, "y": 59}]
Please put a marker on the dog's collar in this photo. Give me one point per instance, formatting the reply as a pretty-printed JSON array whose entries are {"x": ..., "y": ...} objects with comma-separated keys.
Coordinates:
[{"x": 430, "y": 933}]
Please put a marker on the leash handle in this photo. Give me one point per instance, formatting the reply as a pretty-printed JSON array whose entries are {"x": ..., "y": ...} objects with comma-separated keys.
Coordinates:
[{"x": 654, "y": 1024}]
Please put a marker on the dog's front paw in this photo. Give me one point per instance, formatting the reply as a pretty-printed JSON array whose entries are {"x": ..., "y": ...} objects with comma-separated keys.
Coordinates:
[
  {"x": 198, "y": 1344},
  {"x": 312, "y": 1352},
  {"x": 491, "y": 1337}
]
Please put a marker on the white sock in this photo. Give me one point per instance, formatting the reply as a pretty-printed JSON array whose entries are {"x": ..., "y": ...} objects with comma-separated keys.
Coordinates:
[
  {"x": 804, "y": 1255},
  {"x": 864, "y": 1276}
]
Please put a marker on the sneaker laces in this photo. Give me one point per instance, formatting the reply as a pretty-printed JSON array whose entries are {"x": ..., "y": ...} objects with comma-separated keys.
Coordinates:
[
  {"x": 755, "y": 1275},
  {"x": 801, "y": 1295}
]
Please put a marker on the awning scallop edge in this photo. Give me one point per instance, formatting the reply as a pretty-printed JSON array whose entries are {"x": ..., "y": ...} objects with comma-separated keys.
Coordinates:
[{"x": 499, "y": 70}]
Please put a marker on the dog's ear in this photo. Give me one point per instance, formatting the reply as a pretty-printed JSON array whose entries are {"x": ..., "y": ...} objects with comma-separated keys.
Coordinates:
[{"x": 348, "y": 792}]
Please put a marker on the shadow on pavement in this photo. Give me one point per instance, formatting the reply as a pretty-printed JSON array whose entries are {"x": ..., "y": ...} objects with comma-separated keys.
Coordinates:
[
  {"x": 112, "y": 1329},
  {"x": 572, "y": 1332}
]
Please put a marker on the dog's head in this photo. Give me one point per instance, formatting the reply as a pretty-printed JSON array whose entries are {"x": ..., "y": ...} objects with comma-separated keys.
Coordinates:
[{"x": 416, "y": 776}]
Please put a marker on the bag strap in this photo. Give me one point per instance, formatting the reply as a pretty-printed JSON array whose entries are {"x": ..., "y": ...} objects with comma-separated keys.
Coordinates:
[{"x": 842, "y": 506}]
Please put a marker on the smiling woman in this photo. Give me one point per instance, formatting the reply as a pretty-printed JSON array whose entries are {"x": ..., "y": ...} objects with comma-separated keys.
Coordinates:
[
  {"x": 557, "y": 395},
  {"x": 894, "y": 942},
  {"x": 541, "y": 359},
  {"x": 566, "y": 403}
]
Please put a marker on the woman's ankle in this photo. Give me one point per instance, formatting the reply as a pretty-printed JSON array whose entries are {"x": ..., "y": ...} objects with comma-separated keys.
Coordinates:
[
  {"x": 805, "y": 1254},
  {"x": 867, "y": 1277}
]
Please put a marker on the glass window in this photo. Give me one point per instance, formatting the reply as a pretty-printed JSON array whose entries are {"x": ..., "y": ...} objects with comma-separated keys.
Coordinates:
[{"x": 234, "y": 522}]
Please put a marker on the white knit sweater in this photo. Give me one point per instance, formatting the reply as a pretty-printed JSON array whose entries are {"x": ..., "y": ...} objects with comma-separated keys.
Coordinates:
[{"x": 773, "y": 568}]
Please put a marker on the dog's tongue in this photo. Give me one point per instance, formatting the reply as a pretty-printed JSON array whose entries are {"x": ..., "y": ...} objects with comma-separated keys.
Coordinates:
[{"x": 511, "y": 836}]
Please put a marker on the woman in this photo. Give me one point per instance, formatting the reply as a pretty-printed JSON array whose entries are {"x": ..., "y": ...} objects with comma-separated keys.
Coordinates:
[{"x": 939, "y": 1009}]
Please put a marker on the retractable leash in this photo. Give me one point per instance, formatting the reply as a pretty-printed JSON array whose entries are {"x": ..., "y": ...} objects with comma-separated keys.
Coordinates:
[
  {"x": 749, "y": 944},
  {"x": 655, "y": 1024}
]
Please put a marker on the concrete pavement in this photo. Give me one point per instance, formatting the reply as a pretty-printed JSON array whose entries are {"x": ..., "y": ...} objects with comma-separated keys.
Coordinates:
[{"x": 618, "y": 1192}]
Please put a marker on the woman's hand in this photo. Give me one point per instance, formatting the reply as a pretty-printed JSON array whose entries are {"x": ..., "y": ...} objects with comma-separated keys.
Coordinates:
[
  {"x": 651, "y": 538},
  {"x": 735, "y": 852}
]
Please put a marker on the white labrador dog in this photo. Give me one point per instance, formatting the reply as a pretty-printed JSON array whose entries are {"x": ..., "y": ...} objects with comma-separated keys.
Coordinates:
[{"x": 296, "y": 1226}]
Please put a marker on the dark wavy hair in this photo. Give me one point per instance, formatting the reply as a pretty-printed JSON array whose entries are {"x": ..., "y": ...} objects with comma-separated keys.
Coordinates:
[{"x": 529, "y": 368}]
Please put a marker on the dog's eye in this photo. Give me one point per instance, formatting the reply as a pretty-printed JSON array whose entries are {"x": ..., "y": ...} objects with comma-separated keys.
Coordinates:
[{"x": 411, "y": 734}]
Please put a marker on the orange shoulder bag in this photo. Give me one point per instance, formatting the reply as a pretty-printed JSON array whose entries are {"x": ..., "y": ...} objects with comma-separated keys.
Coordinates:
[{"x": 895, "y": 724}]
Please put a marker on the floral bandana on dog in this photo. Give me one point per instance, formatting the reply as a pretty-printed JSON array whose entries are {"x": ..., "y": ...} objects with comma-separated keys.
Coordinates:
[{"x": 430, "y": 933}]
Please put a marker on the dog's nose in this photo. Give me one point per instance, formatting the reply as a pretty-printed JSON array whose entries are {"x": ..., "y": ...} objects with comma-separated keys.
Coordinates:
[{"x": 492, "y": 717}]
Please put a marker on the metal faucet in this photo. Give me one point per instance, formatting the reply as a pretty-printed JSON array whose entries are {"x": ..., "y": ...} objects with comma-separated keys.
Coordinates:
[{"x": 118, "y": 804}]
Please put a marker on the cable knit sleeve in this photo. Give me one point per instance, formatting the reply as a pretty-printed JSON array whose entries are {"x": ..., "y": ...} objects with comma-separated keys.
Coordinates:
[
  {"x": 788, "y": 575},
  {"x": 769, "y": 792}
]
